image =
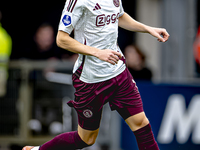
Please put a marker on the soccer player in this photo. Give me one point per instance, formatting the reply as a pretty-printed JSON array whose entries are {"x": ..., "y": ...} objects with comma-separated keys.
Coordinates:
[{"x": 100, "y": 74}]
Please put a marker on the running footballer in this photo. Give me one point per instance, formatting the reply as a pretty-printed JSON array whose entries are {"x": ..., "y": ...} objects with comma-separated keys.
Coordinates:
[{"x": 100, "y": 74}]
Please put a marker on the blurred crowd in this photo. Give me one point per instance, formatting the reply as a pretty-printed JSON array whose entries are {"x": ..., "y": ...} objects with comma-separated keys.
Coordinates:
[
  {"x": 40, "y": 46},
  {"x": 43, "y": 46},
  {"x": 135, "y": 59}
]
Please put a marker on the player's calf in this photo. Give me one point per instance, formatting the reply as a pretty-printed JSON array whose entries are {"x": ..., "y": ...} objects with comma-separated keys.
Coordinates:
[
  {"x": 65, "y": 141},
  {"x": 141, "y": 128},
  {"x": 145, "y": 138},
  {"x": 69, "y": 141}
]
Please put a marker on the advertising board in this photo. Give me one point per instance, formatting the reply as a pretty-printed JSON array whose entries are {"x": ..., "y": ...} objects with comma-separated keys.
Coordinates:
[{"x": 174, "y": 113}]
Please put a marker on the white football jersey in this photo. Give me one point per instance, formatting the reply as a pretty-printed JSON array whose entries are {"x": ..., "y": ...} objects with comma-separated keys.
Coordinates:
[{"x": 95, "y": 23}]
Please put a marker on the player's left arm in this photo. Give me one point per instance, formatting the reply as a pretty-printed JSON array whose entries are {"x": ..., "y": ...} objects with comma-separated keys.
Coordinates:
[{"x": 128, "y": 23}]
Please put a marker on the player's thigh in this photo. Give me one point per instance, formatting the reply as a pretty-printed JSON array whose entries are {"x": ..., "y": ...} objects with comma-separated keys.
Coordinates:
[
  {"x": 128, "y": 102},
  {"x": 88, "y": 124},
  {"x": 88, "y": 136},
  {"x": 137, "y": 121}
]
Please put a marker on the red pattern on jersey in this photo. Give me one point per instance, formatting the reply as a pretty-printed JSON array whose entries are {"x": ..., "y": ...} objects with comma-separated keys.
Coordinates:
[{"x": 71, "y": 5}]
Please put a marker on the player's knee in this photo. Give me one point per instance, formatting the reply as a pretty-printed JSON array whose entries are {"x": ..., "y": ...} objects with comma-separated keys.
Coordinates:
[
  {"x": 143, "y": 121},
  {"x": 91, "y": 141},
  {"x": 137, "y": 121},
  {"x": 89, "y": 137}
]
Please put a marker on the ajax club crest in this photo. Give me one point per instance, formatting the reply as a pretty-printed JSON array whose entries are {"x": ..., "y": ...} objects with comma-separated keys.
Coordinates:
[
  {"x": 87, "y": 113},
  {"x": 116, "y": 3}
]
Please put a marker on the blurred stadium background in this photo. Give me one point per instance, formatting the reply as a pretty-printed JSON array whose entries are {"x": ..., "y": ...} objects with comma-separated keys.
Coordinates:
[{"x": 35, "y": 86}]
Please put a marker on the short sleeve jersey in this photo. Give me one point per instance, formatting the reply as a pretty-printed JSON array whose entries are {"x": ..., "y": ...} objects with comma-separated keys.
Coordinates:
[{"x": 95, "y": 23}]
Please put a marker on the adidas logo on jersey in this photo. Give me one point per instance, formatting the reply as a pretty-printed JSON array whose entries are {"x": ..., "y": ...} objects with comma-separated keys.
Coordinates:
[{"x": 97, "y": 7}]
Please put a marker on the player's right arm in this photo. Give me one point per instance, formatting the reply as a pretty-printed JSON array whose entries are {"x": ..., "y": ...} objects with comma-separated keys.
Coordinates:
[
  {"x": 66, "y": 42},
  {"x": 128, "y": 23}
]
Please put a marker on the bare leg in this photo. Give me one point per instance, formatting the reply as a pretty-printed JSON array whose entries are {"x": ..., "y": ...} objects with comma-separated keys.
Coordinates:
[
  {"x": 89, "y": 137},
  {"x": 141, "y": 128},
  {"x": 137, "y": 121}
]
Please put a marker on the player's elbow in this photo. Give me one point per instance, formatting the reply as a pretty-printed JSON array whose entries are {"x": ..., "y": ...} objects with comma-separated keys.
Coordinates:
[
  {"x": 61, "y": 39},
  {"x": 58, "y": 42}
]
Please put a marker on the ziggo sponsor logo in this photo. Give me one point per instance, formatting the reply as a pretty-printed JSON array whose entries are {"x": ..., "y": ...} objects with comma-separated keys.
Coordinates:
[{"x": 102, "y": 20}]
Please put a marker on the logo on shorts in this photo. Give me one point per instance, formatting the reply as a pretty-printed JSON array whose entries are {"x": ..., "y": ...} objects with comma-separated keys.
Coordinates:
[
  {"x": 116, "y": 3},
  {"x": 87, "y": 113},
  {"x": 66, "y": 20}
]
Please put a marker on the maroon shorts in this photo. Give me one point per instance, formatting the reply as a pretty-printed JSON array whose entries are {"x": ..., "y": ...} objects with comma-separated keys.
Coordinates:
[{"x": 121, "y": 92}]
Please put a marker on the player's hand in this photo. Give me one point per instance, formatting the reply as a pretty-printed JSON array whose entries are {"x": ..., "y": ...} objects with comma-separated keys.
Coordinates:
[
  {"x": 159, "y": 33},
  {"x": 109, "y": 56}
]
